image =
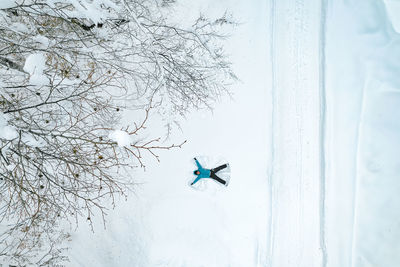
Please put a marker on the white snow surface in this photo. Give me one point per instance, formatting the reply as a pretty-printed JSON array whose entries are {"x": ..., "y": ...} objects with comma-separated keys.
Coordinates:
[
  {"x": 312, "y": 135},
  {"x": 7, "y": 132},
  {"x": 363, "y": 133},
  {"x": 7, "y": 4},
  {"x": 35, "y": 65},
  {"x": 121, "y": 137},
  {"x": 95, "y": 10},
  {"x": 42, "y": 40}
]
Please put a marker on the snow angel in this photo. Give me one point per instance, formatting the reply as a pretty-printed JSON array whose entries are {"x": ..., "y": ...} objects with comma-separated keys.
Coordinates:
[{"x": 208, "y": 173}]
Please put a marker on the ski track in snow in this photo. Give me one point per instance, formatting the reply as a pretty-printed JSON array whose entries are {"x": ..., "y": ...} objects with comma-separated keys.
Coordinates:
[
  {"x": 322, "y": 129},
  {"x": 296, "y": 183}
]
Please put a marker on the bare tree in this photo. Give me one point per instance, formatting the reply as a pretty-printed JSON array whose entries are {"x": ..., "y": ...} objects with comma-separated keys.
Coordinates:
[{"x": 67, "y": 71}]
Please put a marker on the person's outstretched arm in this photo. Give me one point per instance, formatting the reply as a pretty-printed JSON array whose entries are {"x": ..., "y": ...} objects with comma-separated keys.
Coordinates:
[
  {"x": 198, "y": 164},
  {"x": 195, "y": 181}
]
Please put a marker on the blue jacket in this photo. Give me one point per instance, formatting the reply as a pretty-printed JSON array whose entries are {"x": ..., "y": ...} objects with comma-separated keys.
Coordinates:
[{"x": 204, "y": 173}]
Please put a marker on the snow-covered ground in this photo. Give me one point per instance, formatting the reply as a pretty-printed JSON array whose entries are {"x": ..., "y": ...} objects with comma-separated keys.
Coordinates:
[
  {"x": 168, "y": 223},
  {"x": 363, "y": 131},
  {"x": 312, "y": 136}
]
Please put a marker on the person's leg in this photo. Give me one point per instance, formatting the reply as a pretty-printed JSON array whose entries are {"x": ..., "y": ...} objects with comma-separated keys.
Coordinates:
[
  {"x": 216, "y": 178},
  {"x": 217, "y": 169}
]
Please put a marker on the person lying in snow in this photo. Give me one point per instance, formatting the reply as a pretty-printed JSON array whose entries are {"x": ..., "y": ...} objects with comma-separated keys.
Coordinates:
[{"x": 207, "y": 173}]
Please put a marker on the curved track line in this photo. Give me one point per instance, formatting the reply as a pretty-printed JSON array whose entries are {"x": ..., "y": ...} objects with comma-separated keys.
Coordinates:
[{"x": 272, "y": 166}]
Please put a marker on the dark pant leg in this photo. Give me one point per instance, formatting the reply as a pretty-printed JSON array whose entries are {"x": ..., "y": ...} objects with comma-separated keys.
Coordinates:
[
  {"x": 216, "y": 178},
  {"x": 217, "y": 169}
]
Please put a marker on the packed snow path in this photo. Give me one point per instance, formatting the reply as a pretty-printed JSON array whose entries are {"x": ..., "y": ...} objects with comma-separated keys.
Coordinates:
[{"x": 296, "y": 181}]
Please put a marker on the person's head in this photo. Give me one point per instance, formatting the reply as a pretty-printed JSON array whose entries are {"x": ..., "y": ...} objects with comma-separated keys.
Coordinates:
[{"x": 196, "y": 172}]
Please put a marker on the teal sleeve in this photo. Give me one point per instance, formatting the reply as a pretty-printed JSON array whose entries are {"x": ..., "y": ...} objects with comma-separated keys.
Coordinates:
[
  {"x": 196, "y": 180},
  {"x": 198, "y": 164}
]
